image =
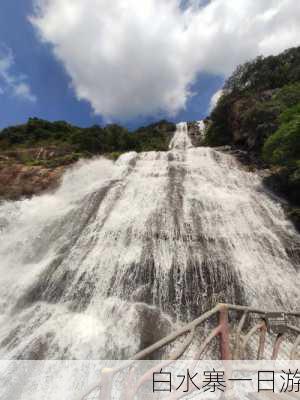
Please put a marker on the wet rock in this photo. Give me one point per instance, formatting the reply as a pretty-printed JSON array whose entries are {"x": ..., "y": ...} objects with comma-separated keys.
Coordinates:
[
  {"x": 18, "y": 180},
  {"x": 153, "y": 325}
]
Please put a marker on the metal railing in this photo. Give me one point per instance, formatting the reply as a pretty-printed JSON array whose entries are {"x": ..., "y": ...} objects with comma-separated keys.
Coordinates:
[{"x": 233, "y": 340}]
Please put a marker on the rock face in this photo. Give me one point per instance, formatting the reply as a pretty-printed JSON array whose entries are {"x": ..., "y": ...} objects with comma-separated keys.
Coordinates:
[
  {"x": 18, "y": 180},
  {"x": 28, "y": 172},
  {"x": 34, "y": 155},
  {"x": 246, "y": 130}
]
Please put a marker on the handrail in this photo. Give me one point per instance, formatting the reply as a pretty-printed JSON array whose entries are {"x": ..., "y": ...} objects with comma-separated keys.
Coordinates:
[
  {"x": 223, "y": 331},
  {"x": 194, "y": 324}
]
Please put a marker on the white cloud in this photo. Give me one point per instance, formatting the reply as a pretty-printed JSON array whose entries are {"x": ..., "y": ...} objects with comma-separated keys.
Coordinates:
[
  {"x": 15, "y": 84},
  {"x": 214, "y": 99},
  {"x": 23, "y": 90},
  {"x": 138, "y": 57}
]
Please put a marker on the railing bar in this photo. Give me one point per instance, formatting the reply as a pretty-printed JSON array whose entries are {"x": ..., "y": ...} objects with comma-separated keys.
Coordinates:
[
  {"x": 236, "y": 351},
  {"x": 149, "y": 374},
  {"x": 163, "y": 342},
  {"x": 212, "y": 335},
  {"x": 262, "y": 342},
  {"x": 225, "y": 351},
  {"x": 277, "y": 345},
  {"x": 258, "y": 311},
  {"x": 251, "y": 333}
]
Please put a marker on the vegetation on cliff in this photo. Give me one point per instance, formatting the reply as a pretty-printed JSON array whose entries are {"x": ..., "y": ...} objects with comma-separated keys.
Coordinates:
[
  {"x": 89, "y": 141},
  {"x": 33, "y": 156},
  {"x": 259, "y": 111}
]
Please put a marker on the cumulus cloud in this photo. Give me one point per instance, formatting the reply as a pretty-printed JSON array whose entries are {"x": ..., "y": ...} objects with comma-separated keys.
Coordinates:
[
  {"x": 133, "y": 57},
  {"x": 15, "y": 84},
  {"x": 214, "y": 99}
]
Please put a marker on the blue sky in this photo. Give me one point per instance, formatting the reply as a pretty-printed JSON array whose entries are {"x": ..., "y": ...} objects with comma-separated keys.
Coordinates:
[
  {"x": 47, "y": 77},
  {"x": 55, "y": 97},
  {"x": 172, "y": 72}
]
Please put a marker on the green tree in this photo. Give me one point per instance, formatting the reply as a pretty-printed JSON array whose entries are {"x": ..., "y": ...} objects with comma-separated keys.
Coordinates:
[{"x": 283, "y": 147}]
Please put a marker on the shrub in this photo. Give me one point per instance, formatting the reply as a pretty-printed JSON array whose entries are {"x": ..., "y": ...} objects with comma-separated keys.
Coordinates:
[
  {"x": 92, "y": 140},
  {"x": 283, "y": 147},
  {"x": 266, "y": 73}
]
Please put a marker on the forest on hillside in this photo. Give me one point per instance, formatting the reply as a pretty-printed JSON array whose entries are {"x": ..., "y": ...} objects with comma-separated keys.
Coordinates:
[
  {"x": 111, "y": 140},
  {"x": 259, "y": 112}
]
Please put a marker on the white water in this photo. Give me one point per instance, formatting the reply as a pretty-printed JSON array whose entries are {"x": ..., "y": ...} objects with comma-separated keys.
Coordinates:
[
  {"x": 121, "y": 251},
  {"x": 201, "y": 125}
]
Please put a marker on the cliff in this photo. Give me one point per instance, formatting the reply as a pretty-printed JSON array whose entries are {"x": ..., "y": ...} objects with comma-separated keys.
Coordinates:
[
  {"x": 258, "y": 115},
  {"x": 29, "y": 171}
]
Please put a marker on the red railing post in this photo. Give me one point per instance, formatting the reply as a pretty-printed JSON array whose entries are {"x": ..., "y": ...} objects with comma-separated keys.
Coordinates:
[
  {"x": 224, "y": 333},
  {"x": 277, "y": 344}
]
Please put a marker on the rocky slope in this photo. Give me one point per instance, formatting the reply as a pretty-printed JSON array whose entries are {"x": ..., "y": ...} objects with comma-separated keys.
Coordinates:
[
  {"x": 34, "y": 156},
  {"x": 31, "y": 171},
  {"x": 258, "y": 115}
]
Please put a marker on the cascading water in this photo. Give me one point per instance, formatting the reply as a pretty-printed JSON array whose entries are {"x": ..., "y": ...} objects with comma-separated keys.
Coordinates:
[{"x": 121, "y": 252}]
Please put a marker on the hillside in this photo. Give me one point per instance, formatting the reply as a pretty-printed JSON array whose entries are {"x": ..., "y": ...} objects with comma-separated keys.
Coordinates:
[
  {"x": 259, "y": 113},
  {"x": 33, "y": 156}
]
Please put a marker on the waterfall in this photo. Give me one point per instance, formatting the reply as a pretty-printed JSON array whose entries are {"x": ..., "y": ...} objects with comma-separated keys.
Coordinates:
[{"x": 123, "y": 251}]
